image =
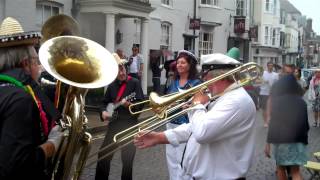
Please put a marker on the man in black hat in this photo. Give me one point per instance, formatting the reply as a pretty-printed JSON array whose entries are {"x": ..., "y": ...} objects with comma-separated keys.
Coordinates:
[
  {"x": 27, "y": 141},
  {"x": 220, "y": 139}
]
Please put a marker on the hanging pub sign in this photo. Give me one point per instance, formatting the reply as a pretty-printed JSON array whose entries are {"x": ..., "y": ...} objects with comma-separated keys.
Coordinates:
[
  {"x": 253, "y": 32},
  {"x": 239, "y": 25},
  {"x": 194, "y": 24}
]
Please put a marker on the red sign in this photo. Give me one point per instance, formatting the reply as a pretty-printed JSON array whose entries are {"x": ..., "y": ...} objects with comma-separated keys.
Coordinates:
[
  {"x": 195, "y": 24},
  {"x": 239, "y": 25}
]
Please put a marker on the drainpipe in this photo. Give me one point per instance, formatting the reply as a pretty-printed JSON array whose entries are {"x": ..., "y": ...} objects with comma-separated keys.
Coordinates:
[{"x": 194, "y": 31}]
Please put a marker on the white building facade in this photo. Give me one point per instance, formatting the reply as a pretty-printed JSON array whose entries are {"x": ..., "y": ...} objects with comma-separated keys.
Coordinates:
[
  {"x": 151, "y": 24},
  {"x": 291, "y": 32},
  {"x": 266, "y": 47}
]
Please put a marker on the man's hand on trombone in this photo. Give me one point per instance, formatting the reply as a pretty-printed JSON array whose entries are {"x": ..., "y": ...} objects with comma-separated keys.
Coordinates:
[
  {"x": 200, "y": 98},
  {"x": 145, "y": 139}
]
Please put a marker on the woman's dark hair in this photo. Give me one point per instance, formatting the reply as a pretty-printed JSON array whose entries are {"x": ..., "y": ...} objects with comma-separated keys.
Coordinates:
[
  {"x": 287, "y": 84},
  {"x": 193, "y": 72}
]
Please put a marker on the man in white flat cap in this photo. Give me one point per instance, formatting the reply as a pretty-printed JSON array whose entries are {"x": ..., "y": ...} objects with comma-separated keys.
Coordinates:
[{"x": 220, "y": 138}]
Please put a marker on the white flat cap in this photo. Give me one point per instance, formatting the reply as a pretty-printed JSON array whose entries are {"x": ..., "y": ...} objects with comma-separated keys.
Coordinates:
[{"x": 218, "y": 61}]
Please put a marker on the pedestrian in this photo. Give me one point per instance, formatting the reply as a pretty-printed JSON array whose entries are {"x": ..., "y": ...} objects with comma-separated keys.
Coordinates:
[
  {"x": 27, "y": 141},
  {"x": 135, "y": 63},
  {"x": 120, "y": 119},
  {"x": 220, "y": 139},
  {"x": 185, "y": 77},
  {"x": 170, "y": 67},
  {"x": 156, "y": 66},
  {"x": 288, "y": 128},
  {"x": 314, "y": 97},
  {"x": 268, "y": 78},
  {"x": 301, "y": 81}
]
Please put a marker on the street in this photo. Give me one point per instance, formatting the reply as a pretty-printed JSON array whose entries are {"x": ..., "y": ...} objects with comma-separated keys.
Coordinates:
[{"x": 151, "y": 163}]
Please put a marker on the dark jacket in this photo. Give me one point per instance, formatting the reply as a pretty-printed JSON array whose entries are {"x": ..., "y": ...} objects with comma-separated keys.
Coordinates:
[
  {"x": 289, "y": 114},
  {"x": 110, "y": 96},
  {"x": 20, "y": 133}
]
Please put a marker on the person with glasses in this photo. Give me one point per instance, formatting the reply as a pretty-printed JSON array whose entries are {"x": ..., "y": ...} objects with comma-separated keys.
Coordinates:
[{"x": 28, "y": 137}]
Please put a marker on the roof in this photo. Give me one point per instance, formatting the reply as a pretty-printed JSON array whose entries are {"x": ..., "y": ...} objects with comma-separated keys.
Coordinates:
[{"x": 288, "y": 7}]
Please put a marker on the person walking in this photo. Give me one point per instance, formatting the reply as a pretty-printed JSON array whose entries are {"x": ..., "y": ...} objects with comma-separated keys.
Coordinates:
[
  {"x": 314, "y": 97},
  {"x": 288, "y": 128},
  {"x": 268, "y": 78}
]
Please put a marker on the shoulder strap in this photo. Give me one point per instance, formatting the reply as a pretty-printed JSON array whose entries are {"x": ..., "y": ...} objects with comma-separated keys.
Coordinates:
[
  {"x": 28, "y": 89},
  {"x": 13, "y": 81}
]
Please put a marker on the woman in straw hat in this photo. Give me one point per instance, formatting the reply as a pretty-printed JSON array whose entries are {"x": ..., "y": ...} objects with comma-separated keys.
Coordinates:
[{"x": 26, "y": 139}]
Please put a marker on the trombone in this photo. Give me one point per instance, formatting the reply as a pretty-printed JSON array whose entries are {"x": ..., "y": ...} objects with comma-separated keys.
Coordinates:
[{"x": 170, "y": 104}]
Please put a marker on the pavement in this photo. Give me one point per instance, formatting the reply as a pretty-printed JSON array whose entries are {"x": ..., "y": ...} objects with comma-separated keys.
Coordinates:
[{"x": 151, "y": 163}]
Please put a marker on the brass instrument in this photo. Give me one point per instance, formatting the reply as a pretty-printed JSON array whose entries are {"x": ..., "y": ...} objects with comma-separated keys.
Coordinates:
[
  {"x": 167, "y": 105},
  {"x": 59, "y": 25},
  {"x": 82, "y": 64}
]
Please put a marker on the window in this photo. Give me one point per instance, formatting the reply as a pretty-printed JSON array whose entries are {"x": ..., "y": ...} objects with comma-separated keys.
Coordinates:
[
  {"x": 241, "y": 8},
  {"x": 282, "y": 39},
  {"x": 210, "y": 2},
  {"x": 268, "y": 6},
  {"x": 46, "y": 9},
  {"x": 166, "y": 32},
  {"x": 275, "y": 7},
  {"x": 167, "y": 2},
  {"x": 205, "y": 43},
  {"x": 274, "y": 34},
  {"x": 266, "y": 35},
  {"x": 287, "y": 40}
]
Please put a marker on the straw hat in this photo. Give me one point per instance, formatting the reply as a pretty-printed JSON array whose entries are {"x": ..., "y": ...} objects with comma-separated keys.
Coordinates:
[
  {"x": 12, "y": 34},
  {"x": 119, "y": 60}
]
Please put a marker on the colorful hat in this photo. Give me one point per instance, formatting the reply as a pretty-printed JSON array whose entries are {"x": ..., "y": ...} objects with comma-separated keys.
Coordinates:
[
  {"x": 190, "y": 54},
  {"x": 119, "y": 60},
  {"x": 234, "y": 53},
  {"x": 12, "y": 34}
]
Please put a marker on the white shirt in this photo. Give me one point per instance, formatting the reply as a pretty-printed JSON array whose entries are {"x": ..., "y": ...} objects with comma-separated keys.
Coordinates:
[
  {"x": 268, "y": 78},
  {"x": 134, "y": 65},
  {"x": 220, "y": 142}
]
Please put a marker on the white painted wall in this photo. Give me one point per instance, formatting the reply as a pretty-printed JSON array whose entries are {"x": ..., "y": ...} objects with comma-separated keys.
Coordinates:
[{"x": 25, "y": 11}]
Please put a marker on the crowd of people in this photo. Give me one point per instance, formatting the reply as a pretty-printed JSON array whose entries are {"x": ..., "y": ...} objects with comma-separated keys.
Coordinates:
[{"x": 214, "y": 140}]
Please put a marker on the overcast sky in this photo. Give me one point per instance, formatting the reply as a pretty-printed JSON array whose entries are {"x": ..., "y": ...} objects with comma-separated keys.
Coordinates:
[{"x": 310, "y": 8}]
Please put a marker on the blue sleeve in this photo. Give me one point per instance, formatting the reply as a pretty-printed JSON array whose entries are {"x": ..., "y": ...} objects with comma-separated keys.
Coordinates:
[{"x": 172, "y": 88}]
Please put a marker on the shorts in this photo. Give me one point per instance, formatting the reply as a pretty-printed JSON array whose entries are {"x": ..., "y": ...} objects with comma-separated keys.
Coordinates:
[{"x": 263, "y": 101}]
